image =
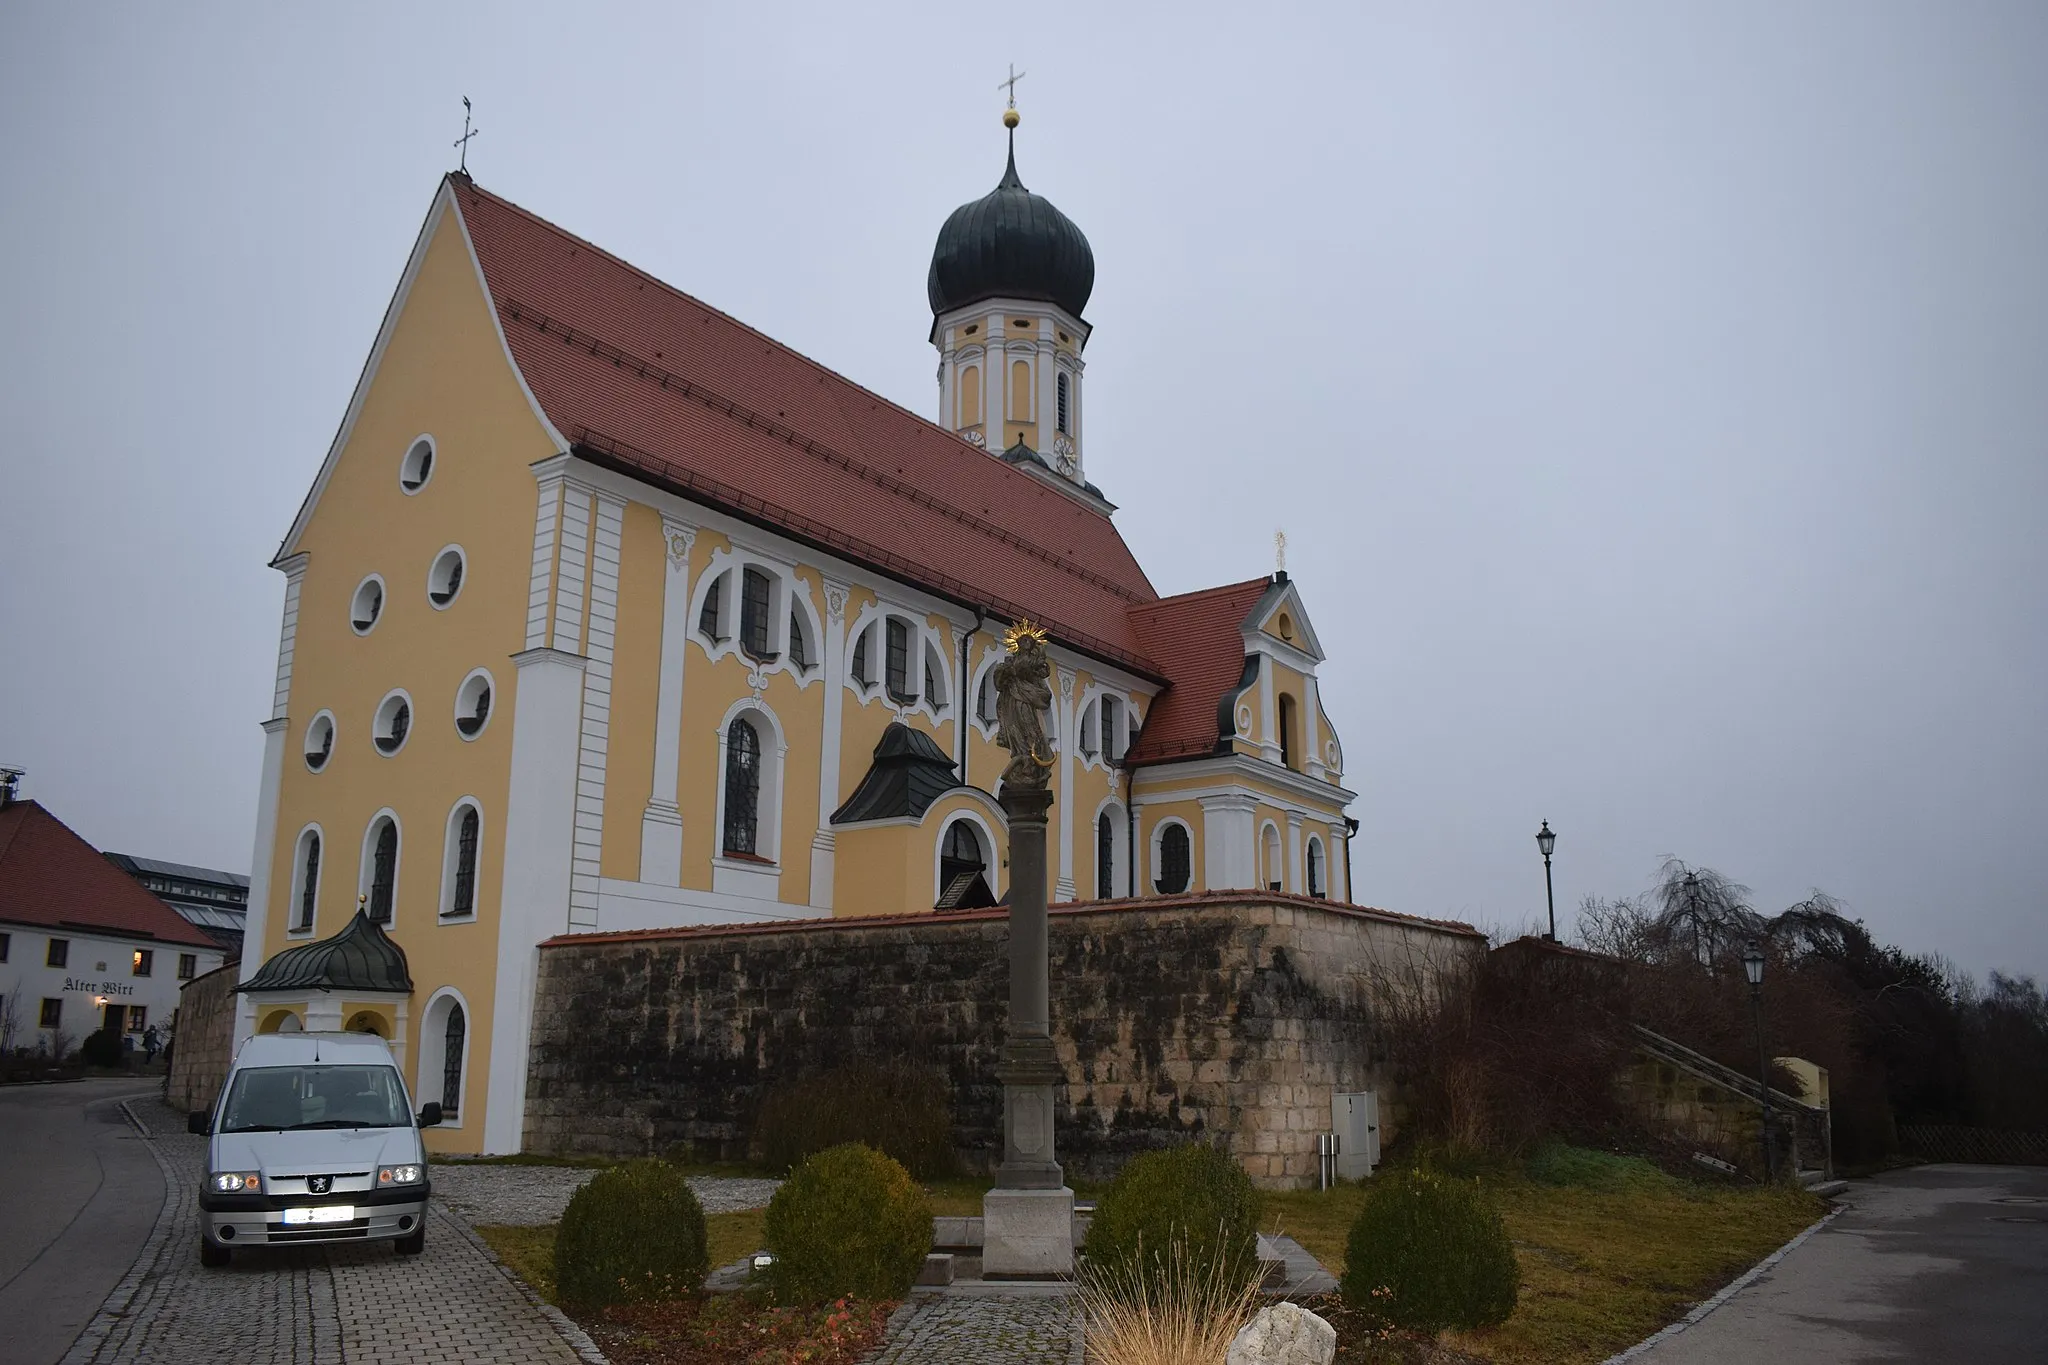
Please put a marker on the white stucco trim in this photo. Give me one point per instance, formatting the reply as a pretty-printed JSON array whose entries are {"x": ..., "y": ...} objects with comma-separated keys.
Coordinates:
[
  {"x": 259, "y": 864},
  {"x": 288, "y": 632},
  {"x": 832, "y": 646},
  {"x": 600, "y": 630},
  {"x": 1228, "y": 772},
  {"x": 546, "y": 528},
  {"x": 991, "y": 851},
  {"x": 1230, "y": 850},
  {"x": 661, "y": 822},
  {"x": 625, "y": 905}
]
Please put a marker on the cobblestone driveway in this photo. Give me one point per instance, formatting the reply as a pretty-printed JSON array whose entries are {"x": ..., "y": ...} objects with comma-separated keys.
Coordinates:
[
  {"x": 361, "y": 1304},
  {"x": 983, "y": 1329}
]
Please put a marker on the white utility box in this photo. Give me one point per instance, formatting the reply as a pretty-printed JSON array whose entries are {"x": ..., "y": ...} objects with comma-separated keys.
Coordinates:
[{"x": 1355, "y": 1119}]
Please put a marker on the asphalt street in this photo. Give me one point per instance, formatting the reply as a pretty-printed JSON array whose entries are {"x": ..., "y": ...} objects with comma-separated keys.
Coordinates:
[
  {"x": 79, "y": 1192},
  {"x": 1934, "y": 1264}
]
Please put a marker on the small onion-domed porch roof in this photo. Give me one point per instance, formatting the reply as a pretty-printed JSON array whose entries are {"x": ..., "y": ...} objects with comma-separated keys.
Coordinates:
[
  {"x": 909, "y": 772},
  {"x": 361, "y": 957}
]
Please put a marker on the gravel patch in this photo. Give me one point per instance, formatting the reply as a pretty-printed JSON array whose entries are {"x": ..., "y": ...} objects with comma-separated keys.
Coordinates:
[{"x": 526, "y": 1195}]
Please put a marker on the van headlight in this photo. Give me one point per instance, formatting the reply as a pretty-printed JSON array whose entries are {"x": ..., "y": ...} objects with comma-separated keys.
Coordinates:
[
  {"x": 409, "y": 1174},
  {"x": 236, "y": 1182}
]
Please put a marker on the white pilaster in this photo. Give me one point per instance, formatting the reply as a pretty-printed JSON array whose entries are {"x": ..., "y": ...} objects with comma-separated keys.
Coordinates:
[
  {"x": 254, "y": 923},
  {"x": 1297, "y": 867},
  {"x": 824, "y": 841},
  {"x": 1230, "y": 850},
  {"x": 1312, "y": 729},
  {"x": 540, "y": 827},
  {"x": 595, "y": 728},
  {"x": 1269, "y": 724},
  {"x": 661, "y": 824},
  {"x": 1069, "y": 737}
]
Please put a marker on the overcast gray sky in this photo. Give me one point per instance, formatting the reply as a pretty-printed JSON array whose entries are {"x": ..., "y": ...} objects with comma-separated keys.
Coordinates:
[{"x": 1655, "y": 396}]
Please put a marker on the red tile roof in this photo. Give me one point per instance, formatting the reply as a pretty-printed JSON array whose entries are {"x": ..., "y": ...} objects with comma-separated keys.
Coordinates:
[
  {"x": 643, "y": 376},
  {"x": 1201, "y": 633},
  {"x": 51, "y": 878}
]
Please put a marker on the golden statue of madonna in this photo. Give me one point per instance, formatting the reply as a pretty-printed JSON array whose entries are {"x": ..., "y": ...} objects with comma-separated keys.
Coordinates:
[{"x": 1023, "y": 684}]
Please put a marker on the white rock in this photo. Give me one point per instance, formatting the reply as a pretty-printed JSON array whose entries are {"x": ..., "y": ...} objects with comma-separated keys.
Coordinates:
[{"x": 1285, "y": 1334}]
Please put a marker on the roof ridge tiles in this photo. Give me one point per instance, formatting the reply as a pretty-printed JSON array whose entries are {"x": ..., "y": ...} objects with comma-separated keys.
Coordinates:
[{"x": 672, "y": 382}]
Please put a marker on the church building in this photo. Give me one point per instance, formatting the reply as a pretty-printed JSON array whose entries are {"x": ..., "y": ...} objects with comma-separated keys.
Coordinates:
[{"x": 607, "y": 612}]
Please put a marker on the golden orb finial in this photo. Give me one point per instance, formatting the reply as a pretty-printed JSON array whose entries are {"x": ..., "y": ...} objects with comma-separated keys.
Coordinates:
[{"x": 1010, "y": 117}]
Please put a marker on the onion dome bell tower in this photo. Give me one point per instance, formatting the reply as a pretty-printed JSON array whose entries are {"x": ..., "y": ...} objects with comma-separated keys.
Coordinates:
[{"x": 1009, "y": 278}]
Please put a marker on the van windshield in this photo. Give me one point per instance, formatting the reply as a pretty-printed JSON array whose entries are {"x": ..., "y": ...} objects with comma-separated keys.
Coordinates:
[{"x": 282, "y": 1099}]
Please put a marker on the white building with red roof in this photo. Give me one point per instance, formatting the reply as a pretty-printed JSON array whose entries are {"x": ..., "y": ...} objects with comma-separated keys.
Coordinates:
[
  {"x": 82, "y": 945},
  {"x": 607, "y": 612}
]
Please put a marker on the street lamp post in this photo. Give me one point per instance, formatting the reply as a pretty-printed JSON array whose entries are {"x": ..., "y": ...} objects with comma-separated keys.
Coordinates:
[
  {"x": 1753, "y": 968},
  {"x": 1546, "y": 841}
]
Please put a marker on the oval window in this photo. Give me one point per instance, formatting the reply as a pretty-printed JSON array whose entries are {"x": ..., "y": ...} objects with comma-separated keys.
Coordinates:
[
  {"x": 367, "y": 605},
  {"x": 417, "y": 466},
  {"x": 473, "y": 705},
  {"x": 320, "y": 741},
  {"x": 393, "y": 724},
  {"x": 444, "y": 580}
]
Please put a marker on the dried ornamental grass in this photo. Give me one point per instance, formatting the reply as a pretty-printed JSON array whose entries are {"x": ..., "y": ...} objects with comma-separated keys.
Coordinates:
[{"x": 1133, "y": 1315}]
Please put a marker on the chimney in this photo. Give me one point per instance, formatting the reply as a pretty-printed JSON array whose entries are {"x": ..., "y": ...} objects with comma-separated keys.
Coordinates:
[{"x": 8, "y": 778}]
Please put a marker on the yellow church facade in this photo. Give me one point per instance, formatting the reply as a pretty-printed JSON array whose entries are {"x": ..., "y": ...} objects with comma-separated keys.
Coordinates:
[{"x": 605, "y": 612}]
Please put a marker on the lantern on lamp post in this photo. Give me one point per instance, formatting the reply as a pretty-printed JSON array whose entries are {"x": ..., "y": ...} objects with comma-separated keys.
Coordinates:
[
  {"x": 1545, "y": 842},
  {"x": 1753, "y": 968}
]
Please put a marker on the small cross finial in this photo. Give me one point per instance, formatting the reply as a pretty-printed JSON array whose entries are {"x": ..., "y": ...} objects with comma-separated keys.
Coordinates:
[
  {"x": 1011, "y": 84},
  {"x": 1280, "y": 551},
  {"x": 462, "y": 143}
]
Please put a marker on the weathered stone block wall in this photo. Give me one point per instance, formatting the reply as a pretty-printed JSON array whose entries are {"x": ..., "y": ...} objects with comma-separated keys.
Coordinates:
[
  {"x": 204, "y": 1040},
  {"x": 1230, "y": 1016}
]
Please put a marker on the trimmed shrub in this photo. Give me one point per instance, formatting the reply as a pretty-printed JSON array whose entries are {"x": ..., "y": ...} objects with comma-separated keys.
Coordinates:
[
  {"x": 901, "y": 1110},
  {"x": 1184, "y": 1212},
  {"x": 848, "y": 1223},
  {"x": 635, "y": 1233},
  {"x": 101, "y": 1048},
  {"x": 1429, "y": 1252}
]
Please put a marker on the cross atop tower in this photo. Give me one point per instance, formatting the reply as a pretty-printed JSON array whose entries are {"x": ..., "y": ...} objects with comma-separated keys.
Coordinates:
[{"x": 1011, "y": 84}]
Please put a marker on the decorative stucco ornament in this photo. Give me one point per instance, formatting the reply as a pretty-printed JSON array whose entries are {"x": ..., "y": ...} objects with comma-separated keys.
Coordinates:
[{"x": 1023, "y": 684}]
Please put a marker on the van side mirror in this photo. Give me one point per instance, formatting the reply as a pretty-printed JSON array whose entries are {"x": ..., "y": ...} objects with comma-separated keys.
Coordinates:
[
  {"x": 430, "y": 1113},
  {"x": 200, "y": 1123}
]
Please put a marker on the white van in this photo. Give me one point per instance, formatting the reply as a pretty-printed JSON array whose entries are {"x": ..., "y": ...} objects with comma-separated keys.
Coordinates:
[{"x": 313, "y": 1139}]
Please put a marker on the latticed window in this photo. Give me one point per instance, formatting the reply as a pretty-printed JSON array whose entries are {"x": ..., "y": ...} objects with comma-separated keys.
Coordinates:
[
  {"x": 860, "y": 660},
  {"x": 451, "y": 1062},
  {"x": 898, "y": 663},
  {"x": 1105, "y": 856},
  {"x": 742, "y": 788},
  {"x": 985, "y": 701},
  {"x": 1176, "y": 858},
  {"x": 934, "y": 693},
  {"x": 1112, "y": 729},
  {"x": 714, "y": 605},
  {"x": 384, "y": 872},
  {"x": 464, "y": 900},
  {"x": 754, "y": 613},
  {"x": 799, "y": 652},
  {"x": 310, "y": 891}
]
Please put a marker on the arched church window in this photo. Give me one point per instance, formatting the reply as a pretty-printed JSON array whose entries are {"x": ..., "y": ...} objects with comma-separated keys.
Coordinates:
[
  {"x": 1112, "y": 729},
  {"x": 1105, "y": 857},
  {"x": 384, "y": 871},
  {"x": 309, "y": 880},
  {"x": 1287, "y": 750},
  {"x": 934, "y": 672},
  {"x": 799, "y": 649},
  {"x": 742, "y": 788},
  {"x": 970, "y": 396},
  {"x": 1176, "y": 861},
  {"x": 963, "y": 869},
  {"x": 1088, "y": 722},
  {"x": 1270, "y": 842},
  {"x": 863, "y": 672},
  {"x": 1315, "y": 868},
  {"x": 754, "y": 618},
  {"x": 985, "y": 700},
  {"x": 1020, "y": 391},
  {"x": 961, "y": 852},
  {"x": 1064, "y": 428},
  {"x": 709, "y": 622},
  {"x": 897, "y": 665},
  {"x": 462, "y": 899},
  {"x": 451, "y": 1062}
]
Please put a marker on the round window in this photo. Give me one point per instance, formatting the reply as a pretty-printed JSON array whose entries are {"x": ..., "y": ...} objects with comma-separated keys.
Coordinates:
[
  {"x": 417, "y": 466},
  {"x": 320, "y": 741},
  {"x": 367, "y": 605},
  {"x": 444, "y": 580},
  {"x": 393, "y": 723},
  {"x": 473, "y": 704}
]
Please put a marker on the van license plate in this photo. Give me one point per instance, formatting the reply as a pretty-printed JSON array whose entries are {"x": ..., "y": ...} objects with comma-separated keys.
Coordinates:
[{"x": 326, "y": 1213}]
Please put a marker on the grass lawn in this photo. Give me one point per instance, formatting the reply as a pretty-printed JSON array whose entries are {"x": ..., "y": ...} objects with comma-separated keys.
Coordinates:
[{"x": 1602, "y": 1267}]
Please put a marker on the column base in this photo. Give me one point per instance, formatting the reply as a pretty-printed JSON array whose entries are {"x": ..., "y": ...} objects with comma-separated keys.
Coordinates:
[{"x": 1027, "y": 1234}]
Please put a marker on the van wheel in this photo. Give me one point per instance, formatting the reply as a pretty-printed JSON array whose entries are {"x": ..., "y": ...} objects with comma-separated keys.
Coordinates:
[
  {"x": 415, "y": 1244},
  {"x": 212, "y": 1256}
]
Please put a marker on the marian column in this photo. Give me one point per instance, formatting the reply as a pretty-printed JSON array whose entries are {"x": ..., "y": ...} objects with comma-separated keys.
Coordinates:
[{"x": 1028, "y": 1218}]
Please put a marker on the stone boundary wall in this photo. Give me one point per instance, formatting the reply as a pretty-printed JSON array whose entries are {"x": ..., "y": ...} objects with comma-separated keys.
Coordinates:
[
  {"x": 204, "y": 1042},
  {"x": 1228, "y": 1016}
]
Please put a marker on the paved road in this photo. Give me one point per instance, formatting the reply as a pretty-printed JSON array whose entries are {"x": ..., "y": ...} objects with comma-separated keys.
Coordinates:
[
  {"x": 79, "y": 1193},
  {"x": 1935, "y": 1264}
]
